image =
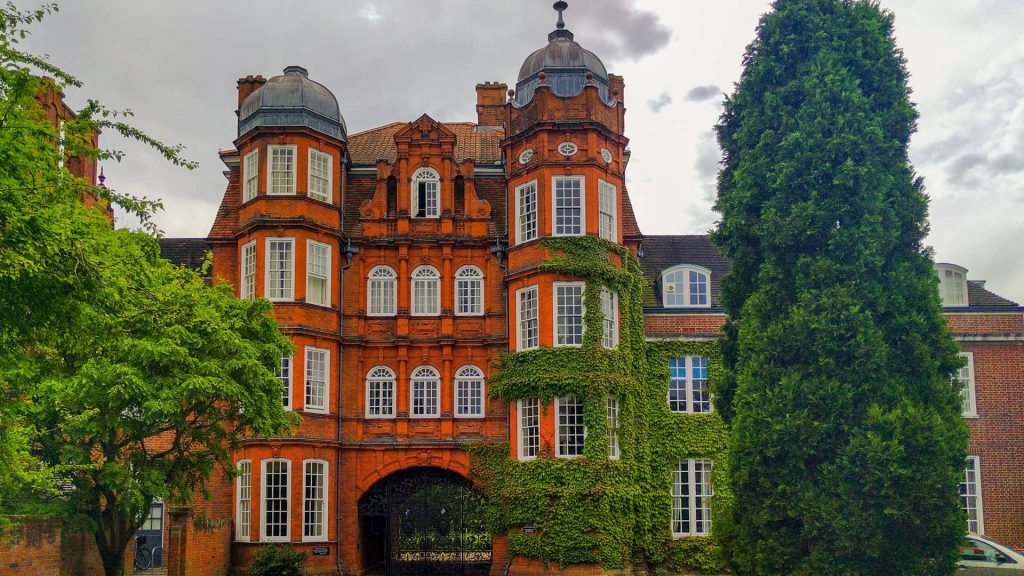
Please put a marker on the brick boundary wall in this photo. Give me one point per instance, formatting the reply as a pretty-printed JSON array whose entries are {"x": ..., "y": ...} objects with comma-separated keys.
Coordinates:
[{"x": 39, "y": 546}]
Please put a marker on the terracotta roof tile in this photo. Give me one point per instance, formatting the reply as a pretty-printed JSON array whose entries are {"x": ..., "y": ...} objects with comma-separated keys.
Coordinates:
[
  {"x": 482, "y": 145},
  {"x": 630, "y": 227},
  {"x": 226, "y": 221}
]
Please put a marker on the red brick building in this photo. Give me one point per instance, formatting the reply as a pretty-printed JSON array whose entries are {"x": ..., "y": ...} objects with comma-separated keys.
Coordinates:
[{"x": 404, "y": 260}]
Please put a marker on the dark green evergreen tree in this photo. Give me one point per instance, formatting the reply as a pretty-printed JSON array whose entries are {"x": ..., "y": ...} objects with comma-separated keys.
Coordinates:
[{"x": 847, "y": 443}]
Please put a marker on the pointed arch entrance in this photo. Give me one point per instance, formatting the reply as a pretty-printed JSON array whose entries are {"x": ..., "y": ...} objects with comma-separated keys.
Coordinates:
[{"x": 424, "y": 520}]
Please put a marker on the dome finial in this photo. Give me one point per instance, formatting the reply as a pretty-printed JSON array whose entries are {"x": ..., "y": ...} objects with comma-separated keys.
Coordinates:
[{"x": 560, "y": 6}]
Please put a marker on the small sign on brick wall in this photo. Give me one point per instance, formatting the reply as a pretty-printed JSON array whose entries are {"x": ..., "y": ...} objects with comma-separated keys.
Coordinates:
[{"x": 321, "y": 551}]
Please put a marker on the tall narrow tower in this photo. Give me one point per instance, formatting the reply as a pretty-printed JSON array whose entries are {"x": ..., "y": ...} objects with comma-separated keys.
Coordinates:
[
  {"x": 278, "y": 236},
  {"x": 568, "y": 375}
]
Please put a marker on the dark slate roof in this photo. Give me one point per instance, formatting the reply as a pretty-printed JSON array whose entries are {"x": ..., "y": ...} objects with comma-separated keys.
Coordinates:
[
  {"x": 189, "y": 252},
  {"x": 977, "y": 295},
  {"x": 661, "y": 252},
  {"x": 292, "y": 99}
]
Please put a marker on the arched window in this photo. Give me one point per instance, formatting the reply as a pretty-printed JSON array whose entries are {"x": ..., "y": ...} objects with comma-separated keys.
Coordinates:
[
  {"x": 426, "y": 291},
  {"x": 381, "y": 292},
  {"x": 426, "y": 193},
  {"x": 380, "y": 393},
  {"x": 469, "y": 291},
  {"x": 469, "y": 392},
  {"x": 686, "y": 286},
  {"x": 952, "y": 284},
  {"x": 424, "y": 388}
]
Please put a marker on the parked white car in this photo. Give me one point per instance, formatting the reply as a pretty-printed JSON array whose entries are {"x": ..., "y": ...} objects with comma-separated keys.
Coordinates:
[{"x": 981, "y": 555}]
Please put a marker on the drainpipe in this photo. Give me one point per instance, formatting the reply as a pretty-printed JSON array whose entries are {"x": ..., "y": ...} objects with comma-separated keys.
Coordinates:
[{"x": 349, "y": 252}]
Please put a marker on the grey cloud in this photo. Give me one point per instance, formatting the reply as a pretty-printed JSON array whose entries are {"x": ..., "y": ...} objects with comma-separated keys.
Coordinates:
[
  {"x": 616, "y": 29},
  {"x": 1007, "y": 163},
  {"x": 943, "y": 149},
  {"x": 968, "y": 169},
  {"x": 660, "y": 102},
  {"x": 702, "y": 93},
  {"x": 709, "y": 155}
]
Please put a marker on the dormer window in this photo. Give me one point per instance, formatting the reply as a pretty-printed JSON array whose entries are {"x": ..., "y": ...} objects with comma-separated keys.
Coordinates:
[
  {"x": 952, "y": 284},
  {"x": 426, "y": 187},
  {"x": 686, "y": 286}
]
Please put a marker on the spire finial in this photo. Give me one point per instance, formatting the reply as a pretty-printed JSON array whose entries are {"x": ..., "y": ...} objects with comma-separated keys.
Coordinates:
[
  {"x": 560, "y": 6},
  {"x": 102, "y": 177}
]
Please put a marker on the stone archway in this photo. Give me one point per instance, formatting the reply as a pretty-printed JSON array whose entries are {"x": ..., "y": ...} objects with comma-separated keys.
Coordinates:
[{"x": 424, "y": 520}]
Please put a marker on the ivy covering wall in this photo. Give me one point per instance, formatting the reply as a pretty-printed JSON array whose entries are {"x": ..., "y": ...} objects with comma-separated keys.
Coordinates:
[{"x": 591, "y": 509}]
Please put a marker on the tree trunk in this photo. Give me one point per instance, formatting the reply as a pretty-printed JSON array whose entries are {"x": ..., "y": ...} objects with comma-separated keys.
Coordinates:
[{"x": 112, "y": 538}]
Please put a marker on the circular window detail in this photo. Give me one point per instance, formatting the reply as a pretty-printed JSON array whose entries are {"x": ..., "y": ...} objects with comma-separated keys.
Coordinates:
[
  {"x": 606, "y": 155},
  {"x": 567, "y": 148},
  {"x": 526, "y": 156}
]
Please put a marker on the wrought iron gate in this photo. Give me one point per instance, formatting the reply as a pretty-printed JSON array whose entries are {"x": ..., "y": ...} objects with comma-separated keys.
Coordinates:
[{"x": 425, "y": 521}]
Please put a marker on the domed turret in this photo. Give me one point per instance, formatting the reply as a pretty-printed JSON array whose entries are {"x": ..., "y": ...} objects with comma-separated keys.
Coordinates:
[
  {"x": 563, "y": 65},
  {"x": 292, "y": 99}
]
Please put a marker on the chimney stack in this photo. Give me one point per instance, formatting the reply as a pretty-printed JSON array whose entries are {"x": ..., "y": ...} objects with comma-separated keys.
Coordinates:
[
  {"x": 490, "y": 103},
  {"x": 247, "y": 86}
]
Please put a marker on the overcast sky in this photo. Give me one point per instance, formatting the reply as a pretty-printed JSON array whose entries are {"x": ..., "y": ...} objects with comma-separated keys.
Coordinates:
[{"x": 174, "y": 63}]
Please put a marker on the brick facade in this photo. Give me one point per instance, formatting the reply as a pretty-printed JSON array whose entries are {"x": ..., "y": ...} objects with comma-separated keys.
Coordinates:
[{"x": 372, "y": 219}]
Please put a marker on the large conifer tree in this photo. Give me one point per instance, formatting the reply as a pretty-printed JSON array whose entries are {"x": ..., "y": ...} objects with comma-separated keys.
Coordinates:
[{"x": 847, "y": 444}]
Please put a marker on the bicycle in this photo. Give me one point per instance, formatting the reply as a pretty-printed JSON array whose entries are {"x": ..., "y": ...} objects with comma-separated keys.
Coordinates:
[{"x": 143, "y": 556}]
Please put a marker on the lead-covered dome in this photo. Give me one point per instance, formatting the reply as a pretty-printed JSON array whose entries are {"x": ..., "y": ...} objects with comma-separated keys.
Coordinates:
[
  {"x": 292, "y": 99},
  {"x": 565, "y": 65}
]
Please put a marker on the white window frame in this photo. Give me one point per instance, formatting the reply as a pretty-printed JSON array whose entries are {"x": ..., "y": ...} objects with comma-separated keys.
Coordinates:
[
  {"x": 425, "y": 275},
  {"x": 522, "y": 232},
  {"x": 554, "y": 204},
  {"x": 610, "y": 323},
  {"x": 428, "y": 175},
  {"x": 247, "y": 271},
  {"x": 291, "y": 270},
  {"x": 690, "y": 498},
  {"x": 251, "y": 175},
  {"x": 555, "y": 316},
  {"x": 613, "y": 412},
  {"x": 523, "y": 334},
  {"x": 607, "y": 206},
  {"x": 689, "y": 364},
  {"x": 326, "y": 276},
  {"x": 285, "y": 375},
  {"x": 306, "y": 501},
  {"x": 289, "y": 188},
  {"x": 470, "y": 374},
  {"x": 389, "y": 380},
  {"x": 387, "y": 284},
  {"x": 968, "y": 389},
  {"x": 685, "y": 269},
  {"x": 521, "y": 406},
  {"x": 560, "y": 446},
  {"x": 243, "y": 495},
  {"x": 315, "y": 154},
  {"x": 973, "y": 464},
  {"x": 952, "y": 285},
  {"x": 322, "y": 408},
  {"x": 287, "y": 500},
  {"x": 469, "y": 275},
  {"x": 420, "y": 375}
]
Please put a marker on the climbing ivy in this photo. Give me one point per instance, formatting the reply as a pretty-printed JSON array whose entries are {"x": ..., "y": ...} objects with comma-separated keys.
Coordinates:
[{"x": 591, "y": 509}]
